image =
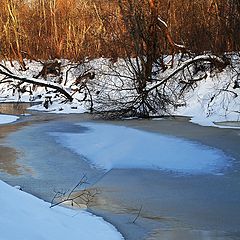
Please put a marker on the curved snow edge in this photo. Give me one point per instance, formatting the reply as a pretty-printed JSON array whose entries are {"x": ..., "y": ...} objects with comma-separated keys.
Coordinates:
[
  {"x": 4, "y": 119},
  {"x": 24, "y": 216}
]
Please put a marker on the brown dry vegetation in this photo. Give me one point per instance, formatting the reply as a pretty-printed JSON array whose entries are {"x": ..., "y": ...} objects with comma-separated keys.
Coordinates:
[{"x": 75, "y": 29}]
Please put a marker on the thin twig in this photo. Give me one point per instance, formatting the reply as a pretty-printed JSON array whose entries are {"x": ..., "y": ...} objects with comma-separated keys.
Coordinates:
[{"x": 139, "y": 212}]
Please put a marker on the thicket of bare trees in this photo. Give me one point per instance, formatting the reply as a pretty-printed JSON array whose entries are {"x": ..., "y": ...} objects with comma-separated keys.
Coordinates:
[{"x": 75, "y": 29}]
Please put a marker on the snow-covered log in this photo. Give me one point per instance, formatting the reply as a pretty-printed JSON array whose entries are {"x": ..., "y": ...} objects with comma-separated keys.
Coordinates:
[
  {"x": 40, "y": 82},
  {"x": 215, "y": 60}
]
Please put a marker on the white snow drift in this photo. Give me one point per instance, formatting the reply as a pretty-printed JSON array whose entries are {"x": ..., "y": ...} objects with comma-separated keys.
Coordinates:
[
  {"x": 214, "y": 99},
  {"x": 25, "y": 217},
  {"x": 4, "y": 119},
  {"x": 109, "y": 146}
]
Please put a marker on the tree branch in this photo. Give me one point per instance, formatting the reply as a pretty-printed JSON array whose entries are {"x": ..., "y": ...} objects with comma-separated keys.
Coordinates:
[
  {"x": 35, "y": 81},
  {"x": 217, "y": 61}
]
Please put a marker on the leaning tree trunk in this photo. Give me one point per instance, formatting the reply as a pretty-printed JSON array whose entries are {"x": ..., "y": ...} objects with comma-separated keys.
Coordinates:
[{"x": 7, "y": 73}]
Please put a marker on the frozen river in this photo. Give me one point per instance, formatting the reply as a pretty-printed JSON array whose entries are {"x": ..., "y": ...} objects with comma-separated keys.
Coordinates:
[{"x": 170, "y": 205}]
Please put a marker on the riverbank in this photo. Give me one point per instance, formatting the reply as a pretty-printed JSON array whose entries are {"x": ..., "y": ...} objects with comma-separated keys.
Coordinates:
[{"x": 194, "y": 207}]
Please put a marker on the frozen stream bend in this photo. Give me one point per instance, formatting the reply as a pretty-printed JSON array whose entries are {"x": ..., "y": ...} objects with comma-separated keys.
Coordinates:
[{"x": 204, "y": 206}]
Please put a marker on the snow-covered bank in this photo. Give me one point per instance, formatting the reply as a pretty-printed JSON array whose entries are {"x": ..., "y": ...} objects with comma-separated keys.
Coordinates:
[
  {"x": 216, "y": 98},
  {"x": 210, "y": 103},
  {"x": 25, "y": 217},
  {"x": 108, "y": 146},
  {"x": 4, "y": 119}
]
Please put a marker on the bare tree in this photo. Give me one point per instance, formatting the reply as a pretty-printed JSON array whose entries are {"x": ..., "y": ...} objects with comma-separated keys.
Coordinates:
[
  {"x": 165, "y": 92},
  {"x": 154, "y": 84}
]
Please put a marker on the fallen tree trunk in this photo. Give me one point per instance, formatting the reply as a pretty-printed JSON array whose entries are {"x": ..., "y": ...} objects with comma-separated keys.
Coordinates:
[
  {"x": 43, "y": 83},
  {"x": 215, "y": 60}
]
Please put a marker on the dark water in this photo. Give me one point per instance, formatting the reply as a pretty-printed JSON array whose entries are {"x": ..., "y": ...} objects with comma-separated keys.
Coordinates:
[{"x": 174, "y": 207}]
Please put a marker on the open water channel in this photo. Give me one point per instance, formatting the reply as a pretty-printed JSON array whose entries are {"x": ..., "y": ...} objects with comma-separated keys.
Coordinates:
[{"x": 173, "y": 206}]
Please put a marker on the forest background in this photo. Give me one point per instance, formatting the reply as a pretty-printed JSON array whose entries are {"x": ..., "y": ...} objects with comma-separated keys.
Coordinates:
[{"x": 75, "y": 29}]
